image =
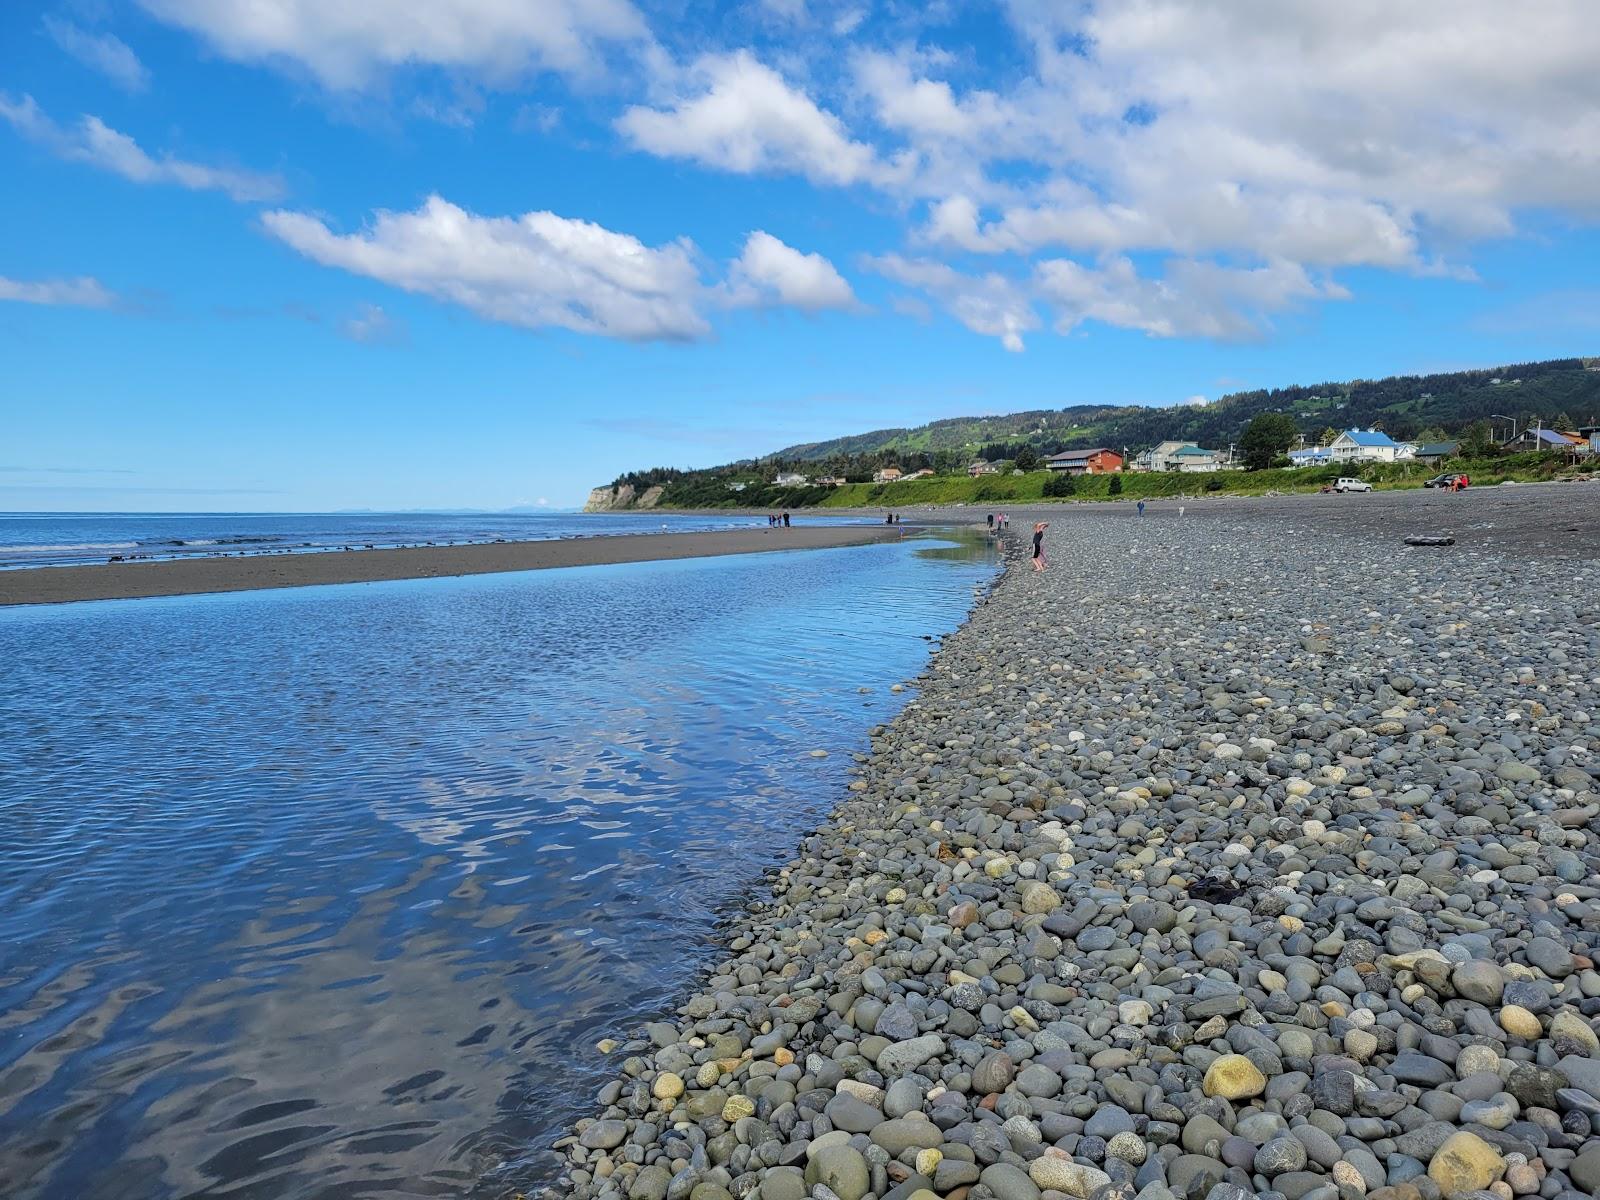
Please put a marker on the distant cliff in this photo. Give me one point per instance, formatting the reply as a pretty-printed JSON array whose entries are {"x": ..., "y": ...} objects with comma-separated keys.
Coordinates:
[{"x": 621, "y": 497}]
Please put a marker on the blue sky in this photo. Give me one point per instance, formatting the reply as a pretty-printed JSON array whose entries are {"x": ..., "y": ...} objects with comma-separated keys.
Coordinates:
[{"x": 285, "y": 254}]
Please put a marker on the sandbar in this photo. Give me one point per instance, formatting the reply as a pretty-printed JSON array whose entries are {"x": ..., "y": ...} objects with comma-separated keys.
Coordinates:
[{"x": 188, "y": 576}]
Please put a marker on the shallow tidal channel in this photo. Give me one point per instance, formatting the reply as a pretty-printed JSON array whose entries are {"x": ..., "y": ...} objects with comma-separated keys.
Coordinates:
[{"x": 329, "y": 891}]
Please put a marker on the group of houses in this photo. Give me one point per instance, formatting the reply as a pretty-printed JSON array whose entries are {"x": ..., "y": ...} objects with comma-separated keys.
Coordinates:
[{"x": 1350, "y": 448}]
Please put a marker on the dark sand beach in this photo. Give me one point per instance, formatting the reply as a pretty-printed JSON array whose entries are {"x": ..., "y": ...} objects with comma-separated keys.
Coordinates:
[{"x": 178, "y": 577}]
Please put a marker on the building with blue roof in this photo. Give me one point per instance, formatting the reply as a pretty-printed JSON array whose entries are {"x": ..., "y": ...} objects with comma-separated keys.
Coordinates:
[{"x": 1367, "y": 445}]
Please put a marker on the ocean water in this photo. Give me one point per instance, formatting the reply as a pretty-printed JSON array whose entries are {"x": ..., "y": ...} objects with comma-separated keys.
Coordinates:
[
  {"x": 328, "y": 892},
  {"x": 59, "y": 539}
]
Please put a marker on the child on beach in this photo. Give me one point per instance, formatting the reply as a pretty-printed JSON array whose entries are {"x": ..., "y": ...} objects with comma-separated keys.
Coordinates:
[{"x": 1039, "y": 563}]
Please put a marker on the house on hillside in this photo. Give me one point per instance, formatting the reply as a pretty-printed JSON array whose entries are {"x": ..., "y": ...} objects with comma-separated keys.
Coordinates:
[
  {"x": 1434, "y": 453},
  {"x": 1365, "y": 445},
  {"x": 791, "y": 479},
  {"x": 737, "y": 486},
  {"x": 831, "y": 481},
  {"x": 1193, "y": 458},
  {"x": 1311, "y": 456},
  {"x": 1178, "y": 456},
  {"x": 982, "y": 466},
  {"x": 1099, "y": 461},
  {"x": 1541, "y": 439},
  {"x": 924, "y": 473},
  {"x": 886, "y": 475}
]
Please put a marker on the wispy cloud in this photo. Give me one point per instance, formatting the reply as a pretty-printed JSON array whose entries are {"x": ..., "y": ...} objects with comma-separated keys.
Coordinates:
[
  {"x": 94, "y": 142},
  {"x": 371, "y": 326},
  {"x": 101, "y": 52},
  {"x": 83, "y": 292}
]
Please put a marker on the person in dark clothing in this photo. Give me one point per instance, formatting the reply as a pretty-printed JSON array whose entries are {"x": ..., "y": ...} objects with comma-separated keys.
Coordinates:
[{"x": 1039, "y": 563}]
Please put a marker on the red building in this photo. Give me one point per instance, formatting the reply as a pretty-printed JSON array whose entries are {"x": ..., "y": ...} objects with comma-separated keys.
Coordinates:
[{"x": 1098, "y": 461}]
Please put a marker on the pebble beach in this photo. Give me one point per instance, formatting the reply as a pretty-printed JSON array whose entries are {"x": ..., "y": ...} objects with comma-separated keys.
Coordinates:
[{"x": 1246, "y": 853}]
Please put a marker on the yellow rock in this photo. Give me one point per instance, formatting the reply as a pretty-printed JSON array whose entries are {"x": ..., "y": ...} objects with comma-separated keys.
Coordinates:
[
  {"x": 897, "y": 895},
  {"x": 667, "y": 1086},
  {"x": 1465, "y": 1163},
  {"x": 874, "y": 936},
  {"x": 783, "y": 1056},
  {"x": 1290, "y": 924},
  {"x": 708, "y": 1074},
  {"x": 606, "y": 1045},
  {"x": 996, "y": 867},
  {"x": 1234, "y": 1077},
  {"x": 1039, "y": 898},
  {"x": 737, "y": 1107},
  {"x": 928, "y": 1161},
  {"x": 1568, "y": 1026},
  {"x": 1519, "y": 1022}
]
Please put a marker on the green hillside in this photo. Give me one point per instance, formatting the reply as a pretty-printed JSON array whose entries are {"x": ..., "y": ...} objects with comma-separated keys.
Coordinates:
[{"x": 1561, "y": 392}]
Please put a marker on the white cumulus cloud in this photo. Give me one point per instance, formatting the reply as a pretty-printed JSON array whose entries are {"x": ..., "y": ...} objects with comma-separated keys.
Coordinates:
[
  {"x": 94, "y": 142},
  {"x": 1192, "y": 299},
  {"x": 769, "y": 271},
  {"x": 990, "y": 304},
  {"x": 738, "y": 114},
  {"x": 536, "y": 270},
  {"x": 347, "y": 43},
  {"x": 540, "y": 270},
  {"x": 83, "y": 292}
]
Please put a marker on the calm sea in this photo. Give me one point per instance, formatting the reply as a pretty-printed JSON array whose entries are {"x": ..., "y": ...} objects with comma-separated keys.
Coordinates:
[
  {"x": 55, "y": 539},
  {"x": 329, "y": 891}
]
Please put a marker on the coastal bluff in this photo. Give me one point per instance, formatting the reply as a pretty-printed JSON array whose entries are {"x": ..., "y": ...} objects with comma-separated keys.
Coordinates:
[{"x": 621, "y": 497}]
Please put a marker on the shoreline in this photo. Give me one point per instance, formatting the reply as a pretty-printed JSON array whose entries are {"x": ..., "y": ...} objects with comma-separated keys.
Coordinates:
[
  {"x": 1076, "y": 932},
  {"x": 195, "y": 576}
]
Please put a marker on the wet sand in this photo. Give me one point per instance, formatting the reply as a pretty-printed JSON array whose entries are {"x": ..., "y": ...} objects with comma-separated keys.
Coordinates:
[{"x": 179, "y": 577}]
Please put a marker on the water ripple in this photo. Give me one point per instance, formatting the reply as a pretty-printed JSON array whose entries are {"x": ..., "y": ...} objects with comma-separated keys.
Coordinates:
[{"x": 329, "y": 891}]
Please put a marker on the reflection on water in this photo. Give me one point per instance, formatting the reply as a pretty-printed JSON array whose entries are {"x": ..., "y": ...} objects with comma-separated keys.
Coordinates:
[{"x": 328, "y": 892}]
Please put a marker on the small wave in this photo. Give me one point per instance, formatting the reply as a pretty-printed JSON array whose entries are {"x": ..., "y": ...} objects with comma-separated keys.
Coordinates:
[{"x": 222, "y": 541}]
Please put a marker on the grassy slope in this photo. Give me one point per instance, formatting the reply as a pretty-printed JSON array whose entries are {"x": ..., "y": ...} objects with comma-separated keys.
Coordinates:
[{"x": 1029, "y": 488}]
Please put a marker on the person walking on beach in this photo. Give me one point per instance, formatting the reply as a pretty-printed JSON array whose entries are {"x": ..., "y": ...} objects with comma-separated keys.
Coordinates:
[
  {"x": 786, "y": 520},
  {"x": 1141, "y": 508},
  {"x": 1039, "y": 563},
  {"x": 990, "y": 519}
]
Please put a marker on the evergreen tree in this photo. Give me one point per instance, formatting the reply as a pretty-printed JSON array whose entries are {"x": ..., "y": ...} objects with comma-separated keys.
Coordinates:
[{"x": 1267, "y": 439}]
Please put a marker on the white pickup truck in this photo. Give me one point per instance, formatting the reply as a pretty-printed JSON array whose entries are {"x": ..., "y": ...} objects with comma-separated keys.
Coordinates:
[{"x": 1352, "y": 485}]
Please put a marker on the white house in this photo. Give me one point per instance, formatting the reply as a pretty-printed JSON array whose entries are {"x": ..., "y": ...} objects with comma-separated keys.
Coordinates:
[
  {"x": 791, "y": 479},
  {"x": 1191, "y": 458},
  {"x": 982, "y": 466},
  {"x": 886, "y": 475},
  {"x": 1364, "y": 445}
]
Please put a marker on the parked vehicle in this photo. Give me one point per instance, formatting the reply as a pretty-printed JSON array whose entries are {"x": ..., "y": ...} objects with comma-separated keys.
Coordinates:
[
  {"x": 1352, "y": 485},
  {"x": 1448, "y": 480}
]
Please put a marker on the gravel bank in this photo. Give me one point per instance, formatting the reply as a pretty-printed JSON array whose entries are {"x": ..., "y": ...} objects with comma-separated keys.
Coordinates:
[{"x": 1220, "y": 860}]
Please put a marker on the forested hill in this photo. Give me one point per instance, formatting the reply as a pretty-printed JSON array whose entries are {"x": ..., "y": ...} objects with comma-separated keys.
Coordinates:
[
  {"x": 1403, "y": 405},
  {"x": 1563, "y": 392}
]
